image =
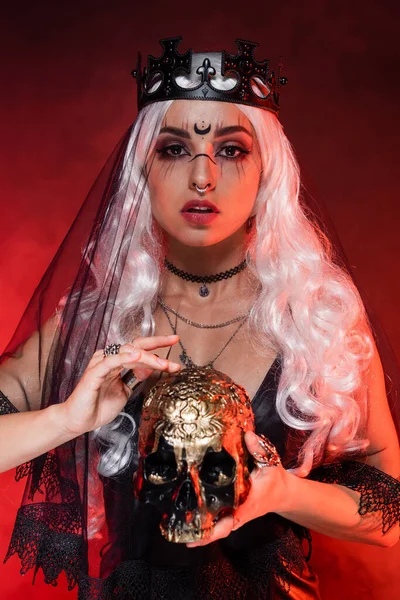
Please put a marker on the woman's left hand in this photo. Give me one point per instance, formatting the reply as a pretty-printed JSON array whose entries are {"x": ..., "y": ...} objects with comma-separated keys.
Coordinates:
[{"x": 267, "y": 493}]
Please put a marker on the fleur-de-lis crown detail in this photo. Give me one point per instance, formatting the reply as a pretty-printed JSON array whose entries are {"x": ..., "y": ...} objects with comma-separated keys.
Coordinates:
[{"x": 255, "y": 84}]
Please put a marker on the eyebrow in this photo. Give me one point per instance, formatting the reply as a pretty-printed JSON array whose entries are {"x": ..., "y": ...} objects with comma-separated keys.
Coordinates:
[
  {"x": 176, "y": 131},
  {"x": 219, "y": 132},
  {"x": 231, "y": 129}
]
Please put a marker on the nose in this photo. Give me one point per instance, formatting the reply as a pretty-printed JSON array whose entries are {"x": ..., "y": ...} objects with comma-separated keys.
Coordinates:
[
  {"x": 186, "y": 499},
  {"x": 203, "y": 173}
]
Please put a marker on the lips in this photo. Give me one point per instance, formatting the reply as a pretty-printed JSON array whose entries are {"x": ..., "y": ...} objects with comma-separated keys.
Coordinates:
[{"x": 201, "y": 205}]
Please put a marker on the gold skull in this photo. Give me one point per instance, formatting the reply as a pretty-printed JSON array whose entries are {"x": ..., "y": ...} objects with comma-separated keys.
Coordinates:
[{"x": 193, "y": 459}]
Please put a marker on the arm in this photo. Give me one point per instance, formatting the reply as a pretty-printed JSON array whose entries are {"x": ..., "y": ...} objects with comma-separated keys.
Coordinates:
[
  {"x": 37, "y": 432},
  {"x": 333, "y": 508},
  {"x": 98, "y": 398}
]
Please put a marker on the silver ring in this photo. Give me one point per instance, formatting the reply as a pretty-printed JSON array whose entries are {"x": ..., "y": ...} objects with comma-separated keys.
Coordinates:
[
  {"x": 111, "y": 349},
  {"x": 201, "y": 190},
  {"x": 271, "y": 458},
  {"x": 129, "y": 378},
  {"x": 127, "y": 375}
]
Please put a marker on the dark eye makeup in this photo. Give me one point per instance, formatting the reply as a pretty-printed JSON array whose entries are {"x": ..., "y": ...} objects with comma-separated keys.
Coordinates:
[
  {"x": 229, "y": 151},
  {"x": 239, "y": 152},
  {"x": 172, "y": 151}
]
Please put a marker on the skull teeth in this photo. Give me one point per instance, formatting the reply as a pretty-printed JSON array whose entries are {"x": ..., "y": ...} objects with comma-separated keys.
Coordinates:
[{"x": 184, "y": 535}]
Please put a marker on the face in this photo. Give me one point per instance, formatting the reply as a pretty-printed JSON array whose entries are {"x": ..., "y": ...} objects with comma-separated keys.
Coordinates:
[{"x": 213, "y": 146}]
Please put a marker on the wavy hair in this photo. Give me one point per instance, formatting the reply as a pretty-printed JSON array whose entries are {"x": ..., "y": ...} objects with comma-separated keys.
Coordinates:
[{"x": 308, "y": 307}]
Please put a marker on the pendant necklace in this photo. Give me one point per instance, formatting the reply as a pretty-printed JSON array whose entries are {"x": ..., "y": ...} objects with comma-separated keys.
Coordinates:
[
  {"x": 204, "y": 279},
  {"x": 185, "y": 358}
]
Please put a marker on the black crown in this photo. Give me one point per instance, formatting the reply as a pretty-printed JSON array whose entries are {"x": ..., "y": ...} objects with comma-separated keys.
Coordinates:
[{"x": 254, "y": 86}]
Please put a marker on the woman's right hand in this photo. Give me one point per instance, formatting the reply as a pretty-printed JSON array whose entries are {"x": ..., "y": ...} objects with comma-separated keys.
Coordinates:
[{"x": 101, "y": 394}]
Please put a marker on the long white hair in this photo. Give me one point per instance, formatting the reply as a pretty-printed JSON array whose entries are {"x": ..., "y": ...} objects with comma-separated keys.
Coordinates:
[{"x": 308, "y": 308}]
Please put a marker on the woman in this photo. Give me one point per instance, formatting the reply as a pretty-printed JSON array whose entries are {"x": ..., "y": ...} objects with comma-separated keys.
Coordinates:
[{"x": 196, "y": 228}]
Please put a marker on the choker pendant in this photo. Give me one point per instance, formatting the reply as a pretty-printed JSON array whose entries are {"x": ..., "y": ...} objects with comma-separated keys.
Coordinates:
[{"x": 204, "y": 291}]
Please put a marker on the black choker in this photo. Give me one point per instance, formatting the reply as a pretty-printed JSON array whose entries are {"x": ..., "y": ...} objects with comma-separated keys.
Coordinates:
[{"x": 204, "y": 291}]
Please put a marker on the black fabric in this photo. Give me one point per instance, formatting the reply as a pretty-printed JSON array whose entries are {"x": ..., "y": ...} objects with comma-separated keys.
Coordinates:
[
  {"x": 6, "y": 407},
  {"x": 378, "y": 491}
]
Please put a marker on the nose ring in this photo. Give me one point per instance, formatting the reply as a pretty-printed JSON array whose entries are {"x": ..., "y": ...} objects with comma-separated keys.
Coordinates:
[{"x": 201, "y": 190}]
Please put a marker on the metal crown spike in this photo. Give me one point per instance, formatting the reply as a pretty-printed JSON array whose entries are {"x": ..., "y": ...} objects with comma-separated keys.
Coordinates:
[{"x": 243, "y": 66}]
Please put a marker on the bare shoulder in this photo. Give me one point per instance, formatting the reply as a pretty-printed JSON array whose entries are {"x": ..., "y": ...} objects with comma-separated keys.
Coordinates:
[{"x": 20, "y": 378}]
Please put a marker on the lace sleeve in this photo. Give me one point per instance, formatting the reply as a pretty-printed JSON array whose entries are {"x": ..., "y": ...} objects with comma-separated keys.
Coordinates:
[
  {"x": 378, "y": 490},
  {"x": 6, "y": 407}
]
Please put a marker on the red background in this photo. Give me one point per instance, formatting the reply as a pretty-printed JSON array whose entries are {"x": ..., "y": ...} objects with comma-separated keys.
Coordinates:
[{"x": 66, "y": 98}]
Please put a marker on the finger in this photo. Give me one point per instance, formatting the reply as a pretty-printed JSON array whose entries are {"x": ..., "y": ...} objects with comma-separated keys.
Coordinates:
[
  {"x": 137, "y": 360},
  {"x": 112, "y": 364},
  {"x": 161, "y": 365},
  {"x": 221, "y": 530},
  {"x": 152, "y": 360},
  {"x": 148, "y": 360},
  {"x": 96, "y": 358},
  {"x": 154, "y": 342},
  {"x": 253, "y": 443},
  {"x": 263, "y": 451}
]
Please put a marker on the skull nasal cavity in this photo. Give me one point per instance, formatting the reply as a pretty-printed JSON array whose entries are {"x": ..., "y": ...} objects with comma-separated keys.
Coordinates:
[{"x": 186, "y": 499}]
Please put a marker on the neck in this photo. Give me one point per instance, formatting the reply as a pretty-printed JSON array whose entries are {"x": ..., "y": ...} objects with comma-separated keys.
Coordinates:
[{"x": 208, "y": 260}]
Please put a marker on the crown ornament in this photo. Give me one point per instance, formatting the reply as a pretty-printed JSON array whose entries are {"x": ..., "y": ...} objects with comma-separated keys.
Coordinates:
[{"x": 250, "y": 81}]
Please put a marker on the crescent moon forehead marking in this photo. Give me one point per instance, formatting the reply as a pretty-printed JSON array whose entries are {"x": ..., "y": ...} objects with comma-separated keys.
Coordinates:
[{"x": 202, "y": 131}]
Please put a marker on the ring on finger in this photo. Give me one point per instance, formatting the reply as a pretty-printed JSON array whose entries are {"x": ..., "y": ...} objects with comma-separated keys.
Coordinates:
[
  {"x": 271, "y": 457},
  {"x": 111, "y": 349},
  {"x": 129, "y": 378}
]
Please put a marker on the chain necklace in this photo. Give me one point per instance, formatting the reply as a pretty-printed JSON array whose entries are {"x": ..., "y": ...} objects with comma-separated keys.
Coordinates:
[
  {"x": 200, "y": 325},
  {"x": 203, "y": 279},
  {"x": 185, "y": 358}
]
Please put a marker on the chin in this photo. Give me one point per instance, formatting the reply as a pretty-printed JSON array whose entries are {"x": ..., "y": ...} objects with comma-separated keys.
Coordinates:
[{"x": 200, "y": 239}]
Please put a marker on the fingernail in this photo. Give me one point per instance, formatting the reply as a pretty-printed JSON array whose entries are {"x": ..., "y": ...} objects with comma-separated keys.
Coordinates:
[{"x": 135, "y": 354}]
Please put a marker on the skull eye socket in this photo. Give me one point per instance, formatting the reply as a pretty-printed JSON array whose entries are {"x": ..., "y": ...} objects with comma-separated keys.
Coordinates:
[
  {"x": 160, "y": 467},
  {"x": 218, "y": 469}
]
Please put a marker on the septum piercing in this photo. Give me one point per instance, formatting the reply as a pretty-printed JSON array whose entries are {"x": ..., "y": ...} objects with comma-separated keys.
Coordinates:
[{"x": 201, "y": 190}]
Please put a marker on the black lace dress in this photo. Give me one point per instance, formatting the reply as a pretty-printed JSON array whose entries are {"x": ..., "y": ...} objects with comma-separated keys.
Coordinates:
[{"x": 266, "y": 558}]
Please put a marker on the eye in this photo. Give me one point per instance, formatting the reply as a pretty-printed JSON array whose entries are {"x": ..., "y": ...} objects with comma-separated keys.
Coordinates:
[
  {"x": 172, "y": 150},
  {"x": 233, "y": 151},
  {"x": 160, "y": 467},
  {"x": 156, "y": 478},
  {"x": 218, "y": 469}
]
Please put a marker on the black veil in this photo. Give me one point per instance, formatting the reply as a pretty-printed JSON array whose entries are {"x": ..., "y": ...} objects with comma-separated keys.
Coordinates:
[
  {"x": 68, "y": 318},
  {"x": 71, "y": 315}
]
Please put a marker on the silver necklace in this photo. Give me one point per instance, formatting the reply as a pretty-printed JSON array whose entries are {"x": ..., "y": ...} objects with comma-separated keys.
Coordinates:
[
  {"x": 200, "y": 325},
  {"x": 185, "y": 358}
]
